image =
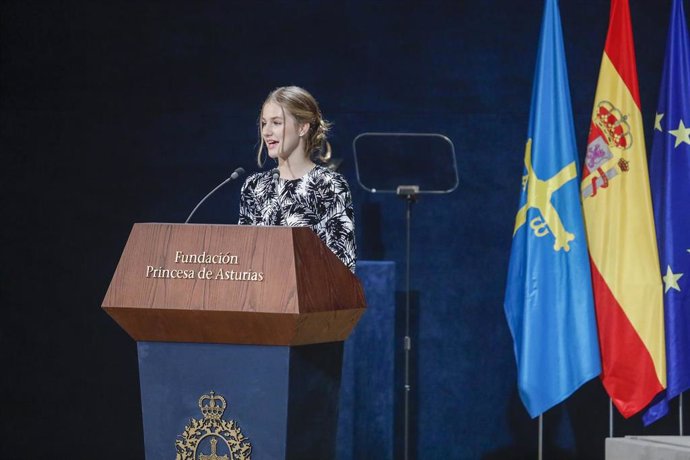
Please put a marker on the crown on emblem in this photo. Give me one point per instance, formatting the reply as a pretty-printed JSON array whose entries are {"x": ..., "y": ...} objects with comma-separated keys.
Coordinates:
[
  {"x": 614, "y": 125},
  {"x": 212, "y": 406}
]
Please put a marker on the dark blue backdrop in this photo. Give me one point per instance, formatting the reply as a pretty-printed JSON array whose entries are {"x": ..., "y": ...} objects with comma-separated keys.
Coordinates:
[{"x": 122, "y": 112}]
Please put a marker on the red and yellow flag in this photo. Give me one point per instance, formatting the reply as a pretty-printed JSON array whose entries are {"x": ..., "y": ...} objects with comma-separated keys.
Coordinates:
[{"x": 620, "y": 229}]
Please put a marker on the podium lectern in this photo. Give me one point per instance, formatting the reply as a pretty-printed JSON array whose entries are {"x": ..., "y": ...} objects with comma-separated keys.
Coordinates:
[{"x": 256, "y": 315}]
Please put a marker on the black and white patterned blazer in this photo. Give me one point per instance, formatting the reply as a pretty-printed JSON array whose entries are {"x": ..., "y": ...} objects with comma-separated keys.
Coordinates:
[{"x": 319, "y": 200}]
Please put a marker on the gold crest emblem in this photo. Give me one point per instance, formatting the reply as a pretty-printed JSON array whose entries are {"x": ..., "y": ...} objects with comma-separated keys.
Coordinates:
[{"x": 209, "y": 431}]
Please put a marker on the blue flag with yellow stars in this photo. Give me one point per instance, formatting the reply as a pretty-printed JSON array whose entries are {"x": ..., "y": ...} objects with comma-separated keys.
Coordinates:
[
  {"x": 548, "y": 302},
  {"x": 670, "y": 182}
]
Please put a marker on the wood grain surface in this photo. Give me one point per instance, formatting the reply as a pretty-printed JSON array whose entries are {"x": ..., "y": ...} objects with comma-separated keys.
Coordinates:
[{"x": 306, "y": 296}]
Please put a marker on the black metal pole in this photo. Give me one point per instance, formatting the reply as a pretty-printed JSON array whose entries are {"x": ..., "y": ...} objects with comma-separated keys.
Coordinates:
[{"x": 407, "y": 342}]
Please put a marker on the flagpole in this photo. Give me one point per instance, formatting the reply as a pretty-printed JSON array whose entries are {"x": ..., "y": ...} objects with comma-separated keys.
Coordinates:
[
  {"x": 541, "y": 436},
  {"x": 610, "y": 418},
  {"x": 680, "y": 413}
]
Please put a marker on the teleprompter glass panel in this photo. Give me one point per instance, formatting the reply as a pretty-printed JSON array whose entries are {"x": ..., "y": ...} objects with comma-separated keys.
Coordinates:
[{"x": 390, "y": 162}]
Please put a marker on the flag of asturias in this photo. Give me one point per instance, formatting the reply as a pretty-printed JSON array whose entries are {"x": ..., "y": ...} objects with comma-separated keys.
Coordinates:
[
  {"x": 670, "y": 181},
  {"x": 620, "y": 229},
  {"x": 548, "y": 302}
]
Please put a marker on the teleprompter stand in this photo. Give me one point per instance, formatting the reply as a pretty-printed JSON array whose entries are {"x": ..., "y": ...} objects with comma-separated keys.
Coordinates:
[{"x": 407, "y": 165}]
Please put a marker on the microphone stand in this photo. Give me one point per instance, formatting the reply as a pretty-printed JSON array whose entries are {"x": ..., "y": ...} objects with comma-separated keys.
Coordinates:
[
  {"x": 204, "y": 198},
  {"x": 409, "y": 194},
  {"x": 237, "y": 173}
]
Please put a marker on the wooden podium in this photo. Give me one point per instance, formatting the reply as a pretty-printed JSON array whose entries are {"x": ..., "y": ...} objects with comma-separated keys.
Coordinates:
[{"x": 255, "y": 314}]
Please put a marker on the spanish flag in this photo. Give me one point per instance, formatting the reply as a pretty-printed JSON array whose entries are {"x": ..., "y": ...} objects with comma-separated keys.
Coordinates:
[{"x": 620, "y": 229}]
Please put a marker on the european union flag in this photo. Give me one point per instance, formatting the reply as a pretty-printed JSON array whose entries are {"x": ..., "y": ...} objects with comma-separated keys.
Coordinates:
[
  {"x": 670, "y": 182},
  {"x": 548, "y": 302}
]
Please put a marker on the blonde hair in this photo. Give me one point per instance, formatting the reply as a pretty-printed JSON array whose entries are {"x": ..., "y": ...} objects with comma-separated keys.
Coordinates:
[{"x": 301, "y": 105}]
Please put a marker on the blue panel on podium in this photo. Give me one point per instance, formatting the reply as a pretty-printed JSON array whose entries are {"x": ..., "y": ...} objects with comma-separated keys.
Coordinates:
[
  {"x": 279, "y": 396},
  {"x": 366, "y": 418}
]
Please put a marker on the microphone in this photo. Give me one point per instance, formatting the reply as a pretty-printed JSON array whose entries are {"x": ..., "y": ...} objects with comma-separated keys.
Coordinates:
[{"x": 239, "y": 172}]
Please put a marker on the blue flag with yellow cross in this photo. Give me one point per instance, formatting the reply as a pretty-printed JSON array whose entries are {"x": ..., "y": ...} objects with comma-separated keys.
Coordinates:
[{"x": 548, "y": 300}]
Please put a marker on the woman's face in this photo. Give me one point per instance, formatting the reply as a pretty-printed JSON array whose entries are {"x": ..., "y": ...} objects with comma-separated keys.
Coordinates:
[{"x": 281, "y": 132}]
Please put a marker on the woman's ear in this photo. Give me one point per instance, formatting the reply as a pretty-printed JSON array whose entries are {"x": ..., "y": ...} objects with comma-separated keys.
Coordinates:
[{"x": 303, "y": 129}]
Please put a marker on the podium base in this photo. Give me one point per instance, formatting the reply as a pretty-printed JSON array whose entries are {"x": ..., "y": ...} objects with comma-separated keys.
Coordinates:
[{"x": 283, "y": 399}]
